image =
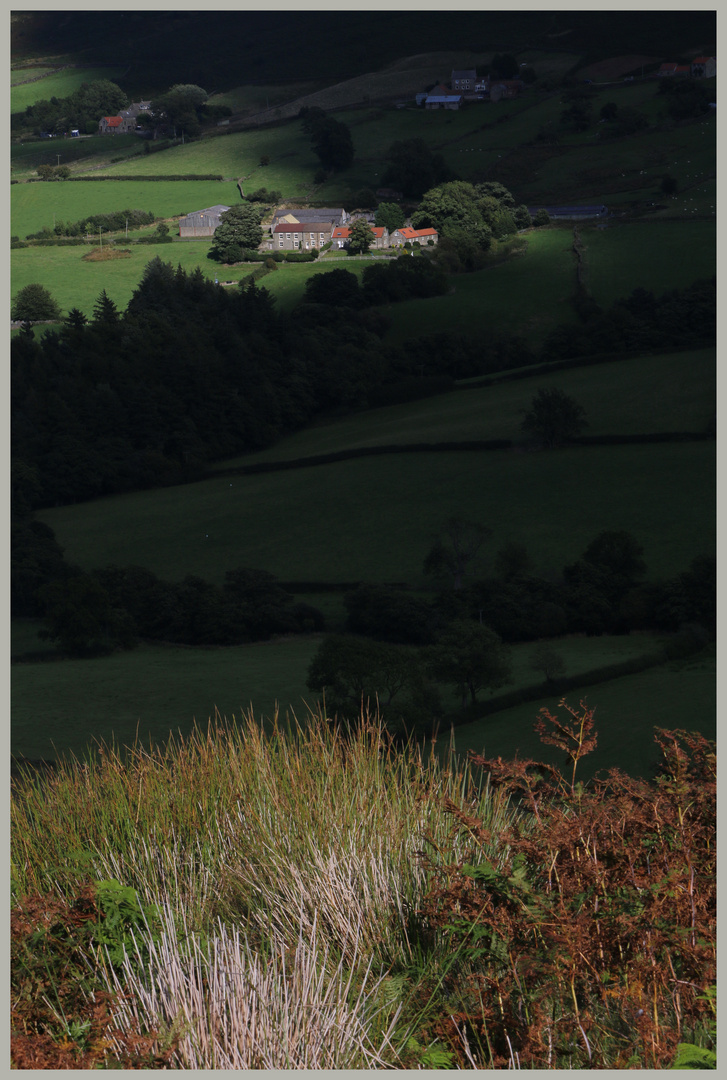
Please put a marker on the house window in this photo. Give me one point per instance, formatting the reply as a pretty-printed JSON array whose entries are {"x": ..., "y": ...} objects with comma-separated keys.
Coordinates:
[
  {"x": 322, "y": 235},
  {"x": 312, "y": 236},
  {"x": 287, "y": 236},
  {"x": 296, "y": 243},
  {"x": 281, "y": 241},
  {"x": 295, "y": 236}
]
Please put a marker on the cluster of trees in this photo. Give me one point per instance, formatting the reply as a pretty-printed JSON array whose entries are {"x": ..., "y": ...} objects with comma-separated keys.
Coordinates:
[
  {"x": 471, "y": 214},
  {"x": 413, "y": 168},
  {"x": 189, "y": 373},
  {"x": 331, "y": 139},
  {"x": 82, "y": 109},
  {"x": 676, "y": 319},
  {"x": 95, "y": 223},
  {"x": 400, "y": 646},
  {"x": 399, "y": 279}
]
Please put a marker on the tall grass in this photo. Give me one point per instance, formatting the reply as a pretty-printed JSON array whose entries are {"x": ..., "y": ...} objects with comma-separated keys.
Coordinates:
[{"x": 287, "y": 874}]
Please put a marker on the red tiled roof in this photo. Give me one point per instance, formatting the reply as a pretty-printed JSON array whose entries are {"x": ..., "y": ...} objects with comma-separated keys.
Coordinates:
[
  {"x": 342, "y": 232},
  {"x": 113, "y": 121},
  {"x": 413, "y": 234}
]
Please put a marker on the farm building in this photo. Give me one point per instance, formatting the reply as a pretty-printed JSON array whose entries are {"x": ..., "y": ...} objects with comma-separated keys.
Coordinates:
[
  {"x": 201, "y": 222},
  {"x": 704, "y": 67},
  {"x": 443, "y": 101},
  {"x": 505, "y": 89},
  {"x": 570, "y": 213},
  {"x": 125, "y": 121},
  {"x": 116, "y": 125},
  {"x": 342, "y": 233},
  {"x": 407, "y": 235}
]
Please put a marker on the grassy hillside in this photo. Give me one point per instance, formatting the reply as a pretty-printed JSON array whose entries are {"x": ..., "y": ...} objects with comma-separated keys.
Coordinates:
[
  {"x": 662, "y": 494},
  {"x": 33, "y": 206},
  {"x": 664, "y": 392},
  {"x": 54, "y": 83}
]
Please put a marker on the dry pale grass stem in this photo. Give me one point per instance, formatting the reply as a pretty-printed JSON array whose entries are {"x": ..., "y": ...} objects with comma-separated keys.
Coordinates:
[{"x": 232, "y": 1007}]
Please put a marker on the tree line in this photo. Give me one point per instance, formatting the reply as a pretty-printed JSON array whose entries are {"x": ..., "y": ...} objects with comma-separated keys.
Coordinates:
[{"x": 398, "y": 649}]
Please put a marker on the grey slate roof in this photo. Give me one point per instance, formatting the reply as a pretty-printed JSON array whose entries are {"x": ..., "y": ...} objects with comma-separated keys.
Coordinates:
[{"x": 337, "y": 215}]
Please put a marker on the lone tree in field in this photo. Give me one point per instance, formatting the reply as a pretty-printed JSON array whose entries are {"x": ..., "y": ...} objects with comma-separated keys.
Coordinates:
[
  {"x": 239, "y": 229},
  {"x": 455, "y": 551},
  {"x": 361, "y": 237},
  {"x": 34, "y": 304},
  {"x": 544, "y": 658},
  {"x": 554, "y": 418},
  {"x": 471, "y": 656}
]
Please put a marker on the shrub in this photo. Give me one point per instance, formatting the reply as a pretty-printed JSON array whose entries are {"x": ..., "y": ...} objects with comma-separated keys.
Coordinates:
[{"x": 590, "y": 941}]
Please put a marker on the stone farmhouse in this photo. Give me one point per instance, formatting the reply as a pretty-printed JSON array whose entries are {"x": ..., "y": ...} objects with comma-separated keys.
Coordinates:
[
  {"x": 304, "y": 229},
  {"x": 202, "y": 223},
  {"x": 463, "y": 81},
  {"x": 124, "y": 122},
  {"x": 407, "y": 235}
]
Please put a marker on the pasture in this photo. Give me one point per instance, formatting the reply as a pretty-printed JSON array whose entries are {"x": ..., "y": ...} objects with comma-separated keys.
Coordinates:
[
  {"x": 33, "y": 206},
  {"x": 642, "y": 253},
  {"x": 532, "y": 294},
  {"x": 528, "y": 295},
  {"x": 154, "y": 690},
  {"x": 93, "y": 151},
  {"x": 670, "y": 696},
  {"x": 378, "y": 515},
  {"x": 644, "y": 394},
  {"x": 74, "y": 282},
  {"x": 56, "y": 83}
]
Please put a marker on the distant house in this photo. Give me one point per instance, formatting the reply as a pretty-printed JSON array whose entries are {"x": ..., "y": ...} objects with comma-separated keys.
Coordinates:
[
  {"x": 463, "y": 81},
  {"x": 202, "y": 222},
  {"x": 342, "y": 236},
  {"x": 116, "y": 125},
  {"x": 675, "y": 69},
  {"x": 443, "y": 101},
  {"x": 125, "y": 121},
  {"x": 704, "y": 67},
  {"x": 407, "y": 235},
  {"x": 299, "y": 236}
]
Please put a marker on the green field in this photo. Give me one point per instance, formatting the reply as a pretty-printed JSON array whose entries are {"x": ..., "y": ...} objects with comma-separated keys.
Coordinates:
[
  {"x": 32, "y": 206},
  {"x": 60, "y": 84},
  {"x": 75, "y": 283},
  {"x": 619, "y": 259},
  {"x": 627, "y": 710},
  {"x": 553, "y": 503},
  {"x": 157, "y": 689},
  {"x": 619, "y": 399},
  {"x": 95, "y": 152}
]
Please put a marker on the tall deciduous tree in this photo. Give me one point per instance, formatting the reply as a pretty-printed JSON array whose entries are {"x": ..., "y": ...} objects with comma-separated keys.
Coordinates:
[
  {"x": 470, "y": 656},
  {"x": 361, "y": 237},
  {"x": 455, "y": 551},
  {"x": 553, "y": 417},
  {"x": 239, "y": 229}
]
